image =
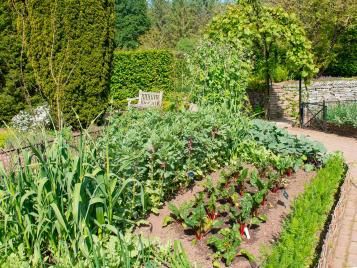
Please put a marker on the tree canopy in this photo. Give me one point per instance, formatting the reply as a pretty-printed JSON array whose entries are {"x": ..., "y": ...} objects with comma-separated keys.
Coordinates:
[
  {"x": 132, "y": 21},
  {"x": 325, "y": 22},
  {"x": 274, "y": 37}
]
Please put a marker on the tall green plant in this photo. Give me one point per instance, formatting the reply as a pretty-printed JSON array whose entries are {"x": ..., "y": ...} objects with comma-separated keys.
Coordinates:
[
  {"x": 70, "y": 51},
  {"x": 60, "y": 202},
  {"x": 130, "y": 23},
  {"x": 218, "y": 73},
  {"x": 17, "y": 85},
  {"x": 273, "y": 36},
  {"x": 326, "y": 23}
]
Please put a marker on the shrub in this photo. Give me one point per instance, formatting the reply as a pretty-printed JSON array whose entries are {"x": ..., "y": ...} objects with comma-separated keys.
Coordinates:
[
  {"x": 147, "y": 70},
  {"x": 161, "y": 149},
  {"x": 37, "y": 118},
  {"x": 280, "y": 142},
  {"x": 17, "y": 87},
  {"x": 301, "y": 233}
]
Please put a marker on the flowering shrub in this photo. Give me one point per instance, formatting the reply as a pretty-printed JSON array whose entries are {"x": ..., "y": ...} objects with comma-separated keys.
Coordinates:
[{"x": 39, "y": 117}]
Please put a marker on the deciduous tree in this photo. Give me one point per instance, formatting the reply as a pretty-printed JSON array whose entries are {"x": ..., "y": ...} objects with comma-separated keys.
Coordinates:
[{"x": 325, "y": 21}]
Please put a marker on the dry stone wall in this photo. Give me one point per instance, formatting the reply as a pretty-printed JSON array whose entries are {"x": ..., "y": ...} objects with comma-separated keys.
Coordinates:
[{"x": 284, "y": 97}]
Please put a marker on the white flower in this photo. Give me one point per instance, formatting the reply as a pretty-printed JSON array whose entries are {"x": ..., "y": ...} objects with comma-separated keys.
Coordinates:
[{"x": 39, "y": 117}]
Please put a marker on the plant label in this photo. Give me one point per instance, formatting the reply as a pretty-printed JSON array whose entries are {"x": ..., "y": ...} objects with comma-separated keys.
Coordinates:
[
  {"x": 246, "y": 231},
  {"x": 285, "y": 194}
]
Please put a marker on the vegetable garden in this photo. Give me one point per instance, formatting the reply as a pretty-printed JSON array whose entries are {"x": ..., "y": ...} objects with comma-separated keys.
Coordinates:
[{"x": 85, "y": 206}]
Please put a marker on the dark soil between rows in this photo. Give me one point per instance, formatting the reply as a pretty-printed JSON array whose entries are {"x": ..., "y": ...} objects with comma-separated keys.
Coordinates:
[{"x": 277, "y": 208}]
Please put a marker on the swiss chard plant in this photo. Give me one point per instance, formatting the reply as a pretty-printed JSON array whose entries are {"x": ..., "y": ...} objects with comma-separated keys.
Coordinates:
[
  {"x": 199, "y": 222},
  {"x": 226, "y": 244},
  {"x": 178, "y": 213}
]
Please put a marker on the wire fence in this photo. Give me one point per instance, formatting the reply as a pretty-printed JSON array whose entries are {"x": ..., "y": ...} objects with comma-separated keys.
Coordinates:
[
  {"x": 11, "y": 157},
  {"x": 315, "y": 114}
]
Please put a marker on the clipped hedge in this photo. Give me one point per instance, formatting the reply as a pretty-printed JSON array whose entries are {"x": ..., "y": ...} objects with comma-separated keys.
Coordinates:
[
  {"x": 147, "y": 70},
  {"x": 301, "y": 234}
]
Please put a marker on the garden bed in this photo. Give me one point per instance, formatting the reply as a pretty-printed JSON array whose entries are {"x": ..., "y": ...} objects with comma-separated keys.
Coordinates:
[
  {"x": 275, "y": 209},
  {"x": 342, "y": 130}
]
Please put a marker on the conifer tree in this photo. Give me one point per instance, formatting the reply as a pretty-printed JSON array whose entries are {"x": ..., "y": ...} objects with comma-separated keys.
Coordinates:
[
  {"x": 69, "y": 44},
  {"x": 17, "y": 87},
  {"x": 132, "y": 21}
]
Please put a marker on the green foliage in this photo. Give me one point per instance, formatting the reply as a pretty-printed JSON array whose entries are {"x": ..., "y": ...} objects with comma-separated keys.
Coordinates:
[
  {"x": 65, "y": 209},
  {"x": 226, "y": 244},
  {"x": 5, "y": 135},
  {"x": 152, "y": 70},
  {"x": 17, "y": 88},
  {"x": 130, "y": 23},
  {"x": 342, "y": 114},
  {"x": 301, "y": 233},
  {"x": 344, "y": 62},
  {"x": 274, "y": 38},
  {"x": 176, "y": 23},
  {"x": 178, "y": 213},
  {"x": 281, "y": 142},
  {"x": 70, "y": 51},
  {"x": 61, "y": 203},
  {"x": 167, "y": 151},
  {"x": 280, "y": 74},
  {"x": 198, "y": 220},
  {"x": 218, "y": 73},
  {"x": 325, "y": 23}
]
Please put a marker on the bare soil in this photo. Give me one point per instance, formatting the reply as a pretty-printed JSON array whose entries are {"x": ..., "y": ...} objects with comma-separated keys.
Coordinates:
[{"x": 277, "y": 208}]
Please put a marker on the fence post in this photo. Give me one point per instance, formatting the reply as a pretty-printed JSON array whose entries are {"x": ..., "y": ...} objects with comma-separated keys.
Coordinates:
[
  {"x": 301, "y": 115},
  {"x": 19, "y": 157},
  {"x": 324, "y": 111},
  {"x": 324, "y": 115},
  {"x": 301, "y": 106}
]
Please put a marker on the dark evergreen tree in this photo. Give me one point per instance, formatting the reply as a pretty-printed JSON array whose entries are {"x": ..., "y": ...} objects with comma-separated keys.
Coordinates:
[
  {"x": 69, "y": 44},
  {"x": 17, "y": 85},
  {"x": 132, "y": 21}
]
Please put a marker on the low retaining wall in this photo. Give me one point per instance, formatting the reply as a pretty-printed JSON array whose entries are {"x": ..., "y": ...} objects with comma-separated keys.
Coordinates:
[{"x": 284, "y": 97}]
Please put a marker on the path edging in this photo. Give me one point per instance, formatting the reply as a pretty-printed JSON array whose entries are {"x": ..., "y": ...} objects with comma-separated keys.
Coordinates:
[{"x": 326, "y": 256}]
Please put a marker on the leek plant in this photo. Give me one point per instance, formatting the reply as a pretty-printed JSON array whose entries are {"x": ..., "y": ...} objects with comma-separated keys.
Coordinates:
[{"x": 61, "y": 202}]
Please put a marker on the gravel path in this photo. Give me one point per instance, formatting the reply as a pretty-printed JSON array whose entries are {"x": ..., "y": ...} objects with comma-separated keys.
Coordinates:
[{"x": 345, "y": 250}]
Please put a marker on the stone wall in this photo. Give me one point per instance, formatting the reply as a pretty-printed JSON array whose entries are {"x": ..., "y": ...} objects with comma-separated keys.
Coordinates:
[{"x": 284, "y": 97}]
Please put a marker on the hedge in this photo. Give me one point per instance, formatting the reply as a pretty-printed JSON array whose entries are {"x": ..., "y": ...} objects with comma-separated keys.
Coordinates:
[
  {"x": 301, "y": 233},
  {"x": 147, "y": 70}
]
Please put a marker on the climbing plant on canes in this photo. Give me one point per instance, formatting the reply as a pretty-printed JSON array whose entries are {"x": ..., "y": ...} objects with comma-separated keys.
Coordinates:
[{"x": 219, "y": 73}]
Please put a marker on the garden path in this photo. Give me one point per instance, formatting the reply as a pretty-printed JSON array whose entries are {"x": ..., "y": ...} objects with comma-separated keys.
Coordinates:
[{"x": 345, "y": 250}]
